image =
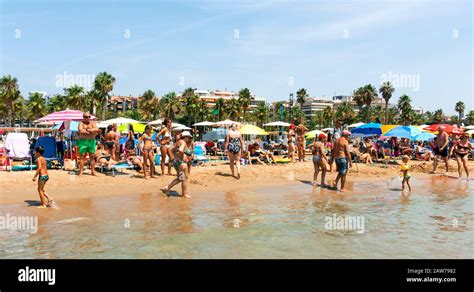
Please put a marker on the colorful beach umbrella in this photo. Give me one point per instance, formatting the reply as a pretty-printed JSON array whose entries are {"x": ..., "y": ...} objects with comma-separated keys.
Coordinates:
[
  {"x": 408, "y": 132},
  {"x": 253, "y": 130},
  {"x": 424, "y": 136},
  {"x": 314, "y": 133},
  {"x": 450, "y": 129},
  {"x": 386, "y": 128},
  {"x": 65, "y": 115},
  {"x": 371, "y": 129},
  {"x": 356, "y": 125}
]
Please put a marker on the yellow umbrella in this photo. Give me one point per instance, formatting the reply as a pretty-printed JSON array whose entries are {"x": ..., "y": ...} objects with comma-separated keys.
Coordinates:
[
  {"x": 138, "y": 128},
  {"x": 386, "y": 128},
  {"x": 252, "y": 130}
]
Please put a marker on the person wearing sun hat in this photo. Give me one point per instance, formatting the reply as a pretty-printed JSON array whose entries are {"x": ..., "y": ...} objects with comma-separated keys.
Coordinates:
[{"x": 341, "y": 155}]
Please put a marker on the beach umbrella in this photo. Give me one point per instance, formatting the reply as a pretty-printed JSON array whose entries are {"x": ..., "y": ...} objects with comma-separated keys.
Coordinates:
[
  {"x": 327, "y": 129},
  {"x": 450, "y": 129},
  {"x": 424, "y": 136},
  {"x": 156, "y": 122},
  {"x": 470, "y": 132},
  {"x": 386, "y": 128},
  {"x": 408, "y": 132},
  {"x": 314, "y": 133},
  {"x": 371, "y": 129},
  {"x": 137, "y": 127},
  {"x": 226, "y": 123},
  {"x": 65, "y": 115},
  {"x": 180, "y": 128},
  {"x": 277, "y": 124},
  {"x": 215, "y": 135},
  {"x": 253, "y": 130},
  {"x": 469, "y": 127},
  {"x": 178, "y": 125},
  {"x": 356, "y": 125},
  {"x": 205, "y": 123},
  {"x": 120, "y": 121}
]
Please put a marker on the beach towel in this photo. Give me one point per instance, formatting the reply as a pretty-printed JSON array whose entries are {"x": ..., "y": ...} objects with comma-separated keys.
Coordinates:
[{"x": 17, "y": 145}]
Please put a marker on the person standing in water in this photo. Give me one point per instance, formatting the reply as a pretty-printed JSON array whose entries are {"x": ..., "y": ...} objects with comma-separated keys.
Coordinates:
[
  {"x": 233, "y": 147},
  {"x": 182, "y": 153},
  {"x": 461, "y": 150},
  {"x": 166, "y": 145},
  {"x": 87, "y": 144},
  {"x": 442, "y": 149},
  {"x": 319, "y": 159},
  {"x": 341, "y": 155},
  {"x": 42, "y": 172},
  {"x": 404, "y": 172},
  {"x": 147, "y": 151}
]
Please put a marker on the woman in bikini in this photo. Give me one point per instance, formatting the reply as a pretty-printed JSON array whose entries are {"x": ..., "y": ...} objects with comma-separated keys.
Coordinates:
[
  {"x": 109, "y": 140},
  {"x": 462, "y": 150},
  {"x": 291, "y": 143},
  {"x": 166, "y": 145},
  {"x": 182, "y": 154},
  {"x": 147, "y": 151},
  {"x": 103, "y": 157},
  {"x": 233, "y": 147},
  {"x": 319, "y": 159},
  {"x": 301, "y": 142}
]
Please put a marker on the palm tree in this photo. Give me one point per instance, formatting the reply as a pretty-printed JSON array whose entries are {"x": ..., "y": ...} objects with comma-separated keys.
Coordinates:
[
  {"x": 318, "y": 119},
  {"x": 9, "y": 92},
  {"x": 155, "y": 107},
  {"x": 327, "y": 116},
  {"x": 427, "y": 117},
  {"x": 364, "y": 96},
  {"x": 345, "y": 113},
  {"x": 405, "y": 109},
  {"x": 377, "y": 114},
  {"x": 261, "y": 113},
  {"x": 75, "y": 98},
  {"x": 301, "y": 96},
  {"x": 56, "y": 103},
  {"x": 220, "y": 103},
  {"x": 36, "y": 106},
  {"x": 170, "y": 105},
  {"x": 460, "y": 109},
  {"x": 92, "y": 99},
  {"x": 386, "y": 90},
  {"x": 202, "y": 111},
  {"x": 144, "y": 104},
  {"x": 244, "y": 100},
  {"x": 20, "y": 110},
  {"x": 232, "y": 108},
  {"x": 190, "y": 102},
  {"x": 104, "y": 83},
  {"x": 392, "y": 115},
  {"x": 438, "y": 116}
]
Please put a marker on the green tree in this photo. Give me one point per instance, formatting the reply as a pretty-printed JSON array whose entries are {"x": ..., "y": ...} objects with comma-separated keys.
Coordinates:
[
  {"x": 145, "y": 104},
  {"x": 75, "y": 97},
  {"x": 220, "y": 105},
  {"x": 261, "y": 113},
  {"x": 190, "y": 103},
  {"x": 392, "y": 115},
  {"x": 244, "y": 100},
  {"x": 36, "y": 106},
  {"x": 345, "y": 113},
  {"x": 232, "y": 108},
  {"x": 104, "y": 84},
  {"x": 20, "y": 110},
  {"x": 386, "y": 90},
  {"x": 460, "y": 107},
  {"x": 470, "y": 118},
  {"x": 9, "y": 93},
  {"x": 56, "y": 103},
  {"x": 327, "y": 116},
  {"x": 364, "y": 96},
  {"x": 301, "y": 96},
  {"x": 170, "y": 105},
  {"x": 438, "y": 116},
  {"x": 405, "y": 109},
  {"x": 377, "y": 114}
]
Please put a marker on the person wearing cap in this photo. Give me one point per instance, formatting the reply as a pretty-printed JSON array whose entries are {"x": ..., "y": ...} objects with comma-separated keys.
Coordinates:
[
  {"x": 87, "y": 144},
  {"x": 291, "y": 143},
  {"x": 442, "y": 150},
  {"x": 319, "y": 158},
  {"x": 341, "y": 155},
  {"x": 182, "y": 154}
]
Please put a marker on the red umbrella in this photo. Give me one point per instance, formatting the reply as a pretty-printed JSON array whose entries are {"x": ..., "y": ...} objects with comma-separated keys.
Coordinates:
[{"x": 450, "y": 129}]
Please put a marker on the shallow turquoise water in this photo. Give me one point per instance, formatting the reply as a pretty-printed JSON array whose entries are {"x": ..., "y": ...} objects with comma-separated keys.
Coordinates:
[{"x": 435, "y": 221}]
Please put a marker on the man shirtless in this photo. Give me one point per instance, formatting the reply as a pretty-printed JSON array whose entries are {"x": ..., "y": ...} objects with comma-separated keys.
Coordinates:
[
  {"x": 340, "y": 153},
  {"x": 442, "y": 150},
  {"x": 87, "y": 132}
]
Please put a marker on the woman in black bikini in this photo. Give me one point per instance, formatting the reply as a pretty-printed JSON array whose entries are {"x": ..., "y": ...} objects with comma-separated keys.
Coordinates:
[
  {"x": 233, "y": 147},
  {"x": 182, "y": 154},
  {"x": 109, "y": 141},
  {"x": 166, "y": 146},
  {"x": 147, "y": 151},
  {"x": 462, "y": 149}
]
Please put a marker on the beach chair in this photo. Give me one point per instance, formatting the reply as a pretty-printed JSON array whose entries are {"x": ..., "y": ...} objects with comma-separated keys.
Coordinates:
[
  {"x": 18, "y": 148},
  {"x": 50, "y": 153},
  {"x": 199, "y": 155}
]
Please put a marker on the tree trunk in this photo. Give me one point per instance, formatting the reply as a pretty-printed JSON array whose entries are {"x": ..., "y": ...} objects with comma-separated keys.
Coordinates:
[{"x": 386, "y": 112}]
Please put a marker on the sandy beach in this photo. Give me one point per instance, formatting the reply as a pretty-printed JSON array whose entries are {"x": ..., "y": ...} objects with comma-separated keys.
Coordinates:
[{"x": 17, "y": 187}]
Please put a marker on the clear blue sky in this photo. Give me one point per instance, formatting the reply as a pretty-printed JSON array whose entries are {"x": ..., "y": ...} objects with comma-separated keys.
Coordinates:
[{"x": 328, "y": 47}]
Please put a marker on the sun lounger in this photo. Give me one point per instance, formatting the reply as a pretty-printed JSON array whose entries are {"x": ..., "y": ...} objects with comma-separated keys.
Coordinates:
[
  {"x": 50, "y": 153},
  {"x": 199, "y": 155},
  {"x": 18, "y": 148}
]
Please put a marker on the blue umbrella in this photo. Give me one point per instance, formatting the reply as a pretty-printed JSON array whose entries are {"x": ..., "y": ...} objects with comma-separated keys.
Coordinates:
[
  {"x": 408, "y": 132},
  {"x": 424, "y": 136},
  {"x": 215, "y": 135},
  {"x": 371, "y": 129}
]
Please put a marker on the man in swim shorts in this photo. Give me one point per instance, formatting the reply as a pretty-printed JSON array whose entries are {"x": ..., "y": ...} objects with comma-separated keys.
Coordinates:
[
  {"x": 441, "y": 150},
  {"x": 87, "y": 145},
  {"x": 341, "y": 155}
]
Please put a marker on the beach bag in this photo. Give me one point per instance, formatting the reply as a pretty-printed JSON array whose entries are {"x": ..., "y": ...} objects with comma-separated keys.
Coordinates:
[{"x": 69, "y": 164}]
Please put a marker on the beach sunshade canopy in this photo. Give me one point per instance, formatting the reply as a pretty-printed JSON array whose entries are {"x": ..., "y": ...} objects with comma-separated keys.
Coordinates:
[
  {"x": 409, "y": 132},
  {"x": 65, "y": 115},
  {"x": 314, "y": 133},
  {"x": 450, "y": 129},
  {"x": 180, "y": 128},
  {"x": 156, "y": 122},
  {"x": 215, "y": 135},
  {"x": 424, "y": 136},
  {"x": 226, "y": 123},
  {"x": 471, "y": 127},
  {"x": 137, "y": 127},
  {"x": 120, "y": 121},
  {"x": 371, "y": 129},
  {"x": 252, "y": 130},
  {"x": 386, "y": 128},
  {"x": 203, "y": 124},
  {"x": 178, "y": 125},
  {"x": 356, "y": 125},
  {"x": 470, "y": 132},
  {"x": 327, "y": 129},
  {"x": 277, "y": 124}
]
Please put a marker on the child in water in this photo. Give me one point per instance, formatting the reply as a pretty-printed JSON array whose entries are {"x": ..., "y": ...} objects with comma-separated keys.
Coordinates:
[
  {"x": 46, "y": 200},
  {"x": 404, "y": 172}
]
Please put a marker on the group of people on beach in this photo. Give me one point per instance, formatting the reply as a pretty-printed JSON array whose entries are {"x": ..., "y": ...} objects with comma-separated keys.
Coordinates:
[{"x": 177, "y": 151}]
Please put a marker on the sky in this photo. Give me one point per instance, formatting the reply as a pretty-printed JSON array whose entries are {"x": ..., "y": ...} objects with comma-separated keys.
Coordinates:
[{"x": 272, "y": 47}]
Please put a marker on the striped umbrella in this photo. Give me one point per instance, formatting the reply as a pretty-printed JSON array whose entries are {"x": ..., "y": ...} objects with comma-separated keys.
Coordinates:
[{"x": 65, "y": 115}]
